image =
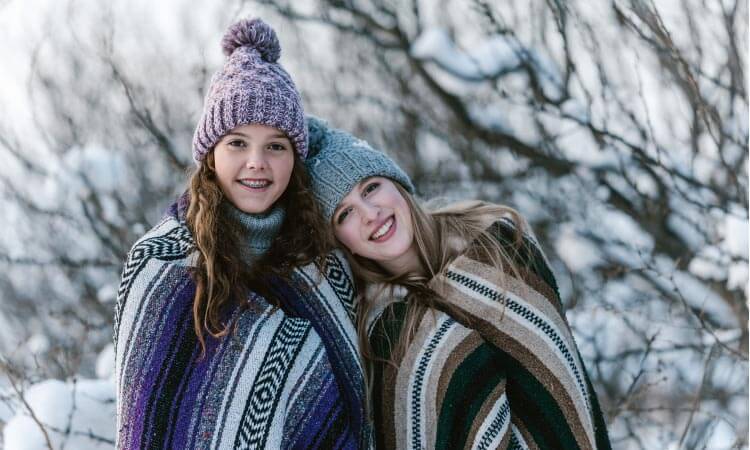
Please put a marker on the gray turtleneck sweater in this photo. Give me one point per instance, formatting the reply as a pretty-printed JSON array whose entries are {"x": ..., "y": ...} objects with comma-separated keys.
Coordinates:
[{"x": 259, "y": 230}]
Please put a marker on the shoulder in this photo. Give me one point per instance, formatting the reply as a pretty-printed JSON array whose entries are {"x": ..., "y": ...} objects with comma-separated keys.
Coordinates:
[
  {"x": 335, "y": 268},
  {"x": 334, "y": 272},
  {"x": 332, "y": 281},
  {"x": 160, "y": 257},
  {"x": 168, "y": 245},
  {"x": 509, "y": 228},
  {"x": 170, "y": 240},
  {"x": 518, "y": 243}
]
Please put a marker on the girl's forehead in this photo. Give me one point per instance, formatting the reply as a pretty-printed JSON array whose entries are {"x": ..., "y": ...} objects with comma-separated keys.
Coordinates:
[{"x": 257, "y": 130}]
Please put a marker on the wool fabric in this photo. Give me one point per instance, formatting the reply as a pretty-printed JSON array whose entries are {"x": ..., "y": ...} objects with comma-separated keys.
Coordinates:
[
  {"x": 505, "y": 375},
  {"x": 338, "y": 161},
  {"x": 258, "y": 230},
  {"x": 286, "y": 377},
  {"x": 251, "y": 88}
]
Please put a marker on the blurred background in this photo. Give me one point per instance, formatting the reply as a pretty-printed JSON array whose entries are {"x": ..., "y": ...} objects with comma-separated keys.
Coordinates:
[{"x": 619, "y": 128}]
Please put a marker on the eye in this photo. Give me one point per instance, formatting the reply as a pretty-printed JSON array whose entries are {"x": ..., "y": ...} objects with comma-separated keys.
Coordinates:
[
  {"x": 236, "y": 143},
  {"x": 277, "y": 147},
  {"x": 370, "y": 187},
  {"x": 342, "y": 215}
]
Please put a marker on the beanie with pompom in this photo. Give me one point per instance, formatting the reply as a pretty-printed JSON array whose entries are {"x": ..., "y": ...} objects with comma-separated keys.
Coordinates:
[{"x": 251, "y": 88}]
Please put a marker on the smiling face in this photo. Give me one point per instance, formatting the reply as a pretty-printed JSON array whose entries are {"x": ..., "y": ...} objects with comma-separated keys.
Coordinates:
[
  {"x": 374, "y": 222},
  {"x": 253, "y": 165}
]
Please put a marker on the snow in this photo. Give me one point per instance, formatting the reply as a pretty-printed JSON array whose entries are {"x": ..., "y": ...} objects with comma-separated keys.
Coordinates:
[
  {"x": 492, "y": 117},
  {"x": 107, "y": 293},
  {"x": 103, "y": 168},
  {"x": 725, "y": 336},
  {"x": 7, "y": 404},
  {"x": 738, "y": 276},
  {"x": 723, "y": 437},
  {"x": 430, "y": 43},
  {"x": 84, "y": 407},
  {"x": 685, "y": 230},
  {"x": 736, "y": 235},
  {"x": 707, "y": 269},
  {"x": 622, "y": 227},
  {"x": 577, "y": 253},
  {"x": 575, "y": 110},
  {"x": 434, "y": 151},
  {"x": 646, "y": 185},
  {"x": 703, "y": 168},
  {"x": 579, "y": 146},
  {"x": 695, "y": 293},
  {"x": 494, "y": 56},
  {"x": 37, "y": 343},
  {"x": 105, "y": 363},
  {"x": 22, "y": 433}
]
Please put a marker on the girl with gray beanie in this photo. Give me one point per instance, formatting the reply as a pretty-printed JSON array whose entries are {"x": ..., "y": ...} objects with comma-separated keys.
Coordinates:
[
  {"x": 459, "y": 320},
  {"x": 233, "y": 326}
]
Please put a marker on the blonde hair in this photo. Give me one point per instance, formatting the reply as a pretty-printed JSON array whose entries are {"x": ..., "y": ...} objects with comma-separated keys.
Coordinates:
[
  {"x": 222, "y": 278},
  {"x": 440, "y": 236}
]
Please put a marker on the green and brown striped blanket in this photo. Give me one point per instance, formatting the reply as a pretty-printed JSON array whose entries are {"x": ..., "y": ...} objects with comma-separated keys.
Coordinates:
[{"x": 508, "y": 375}]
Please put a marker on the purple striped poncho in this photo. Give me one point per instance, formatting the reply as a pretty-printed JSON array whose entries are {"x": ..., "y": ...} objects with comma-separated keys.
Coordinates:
[{"x": 284, "y": 378}]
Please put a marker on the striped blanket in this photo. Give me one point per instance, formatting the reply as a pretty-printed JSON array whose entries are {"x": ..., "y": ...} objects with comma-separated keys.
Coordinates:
[
  {"x": 285, "y": 377},
  {"x": 508, "y": 375}
]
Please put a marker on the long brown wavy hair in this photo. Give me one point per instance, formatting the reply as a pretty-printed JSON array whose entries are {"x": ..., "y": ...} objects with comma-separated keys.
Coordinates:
[
  {"x": 223, "y": 280},
  {"x": 440, "y": 235}
]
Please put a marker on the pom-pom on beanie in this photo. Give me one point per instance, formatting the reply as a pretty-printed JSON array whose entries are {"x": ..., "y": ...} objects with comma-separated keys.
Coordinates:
[
  {"x": 338, "y": 161},
  {"x": 251, "y": 88}
]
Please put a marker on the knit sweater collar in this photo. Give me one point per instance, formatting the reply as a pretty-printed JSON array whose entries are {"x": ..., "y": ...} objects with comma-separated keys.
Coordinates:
[{"x": 258, "y": 230}]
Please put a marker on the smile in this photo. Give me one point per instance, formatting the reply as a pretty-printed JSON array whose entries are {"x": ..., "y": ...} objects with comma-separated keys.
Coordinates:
[
  {"x": 255, "y": 183},
  {"x": 384, "y": 231}
]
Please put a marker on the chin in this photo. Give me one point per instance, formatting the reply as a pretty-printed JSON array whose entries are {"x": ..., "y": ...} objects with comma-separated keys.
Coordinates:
[
  {"x": 254, "y": 205},
  {"x": 397, "y": 252},
  {"x": 253, "y": 208}
]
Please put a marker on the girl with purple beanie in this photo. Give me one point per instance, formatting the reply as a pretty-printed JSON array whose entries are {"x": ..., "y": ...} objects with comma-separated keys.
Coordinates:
[{"x": 234, "y": 326}]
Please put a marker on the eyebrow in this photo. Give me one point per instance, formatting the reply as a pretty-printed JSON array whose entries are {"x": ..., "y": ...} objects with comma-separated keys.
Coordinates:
[
  {"x": 274, "y": 136},
  {"x": 359, "y": 186}
]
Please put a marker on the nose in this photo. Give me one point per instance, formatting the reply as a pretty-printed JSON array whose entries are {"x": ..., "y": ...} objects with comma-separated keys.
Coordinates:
[
  {"x": 255, "y": 160},
  {"x": 370, "y": 212}
]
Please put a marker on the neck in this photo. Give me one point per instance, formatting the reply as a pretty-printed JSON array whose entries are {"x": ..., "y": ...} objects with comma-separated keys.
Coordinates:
[
  {"x": 257, "y": 231},
  {"x": 406, "y": 264}
]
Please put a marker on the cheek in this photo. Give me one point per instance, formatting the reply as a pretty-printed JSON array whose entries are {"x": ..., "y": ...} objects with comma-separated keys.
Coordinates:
[
  {"x": 349, "y": 237},
  {"x": 402, "y": 207},
  {"x": 222, "y": 174},
  {"x": 282, "y": 169},
  {"x": 223, "y": 164},
  {"x": 408, "y": 229}
]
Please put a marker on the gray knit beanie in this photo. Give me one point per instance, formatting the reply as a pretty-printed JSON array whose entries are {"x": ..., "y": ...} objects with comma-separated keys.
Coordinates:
[
  {"x": 251, "y": 88},
  {"x": 338, "y": 161}
]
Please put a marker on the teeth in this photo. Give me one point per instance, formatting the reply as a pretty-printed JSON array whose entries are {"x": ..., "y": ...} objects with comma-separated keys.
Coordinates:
[
  {"x": 255, "y": 183},
  {"x": 383, "y": 229}
]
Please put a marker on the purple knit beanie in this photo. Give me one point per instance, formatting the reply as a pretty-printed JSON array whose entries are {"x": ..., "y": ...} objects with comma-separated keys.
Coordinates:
[{"x": 250, "y": 88}]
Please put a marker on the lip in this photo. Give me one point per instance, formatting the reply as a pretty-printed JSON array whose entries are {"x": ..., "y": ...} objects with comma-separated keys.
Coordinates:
[
  {"x": 253, "y": 189},
  {"x": 388, "y": 234}
]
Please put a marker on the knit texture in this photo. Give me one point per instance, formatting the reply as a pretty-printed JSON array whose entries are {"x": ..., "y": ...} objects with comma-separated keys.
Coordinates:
[
  {"x": 338, "y": 161},
  {"x": 283, "y": 378},
  {"x": 258, "y": 230},
  {"x": 251, "y": 88},
  {"x": 508, "y": 375}
]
